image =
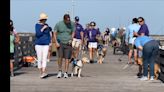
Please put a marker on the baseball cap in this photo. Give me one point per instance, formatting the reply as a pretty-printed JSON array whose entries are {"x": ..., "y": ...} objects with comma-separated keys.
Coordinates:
[
  {"x": 76, "y": 18},
  {"x": 92, "y": 23}
]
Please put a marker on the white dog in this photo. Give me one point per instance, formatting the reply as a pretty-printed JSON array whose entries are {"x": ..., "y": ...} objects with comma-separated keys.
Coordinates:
[{"x": 77, "y": 66}]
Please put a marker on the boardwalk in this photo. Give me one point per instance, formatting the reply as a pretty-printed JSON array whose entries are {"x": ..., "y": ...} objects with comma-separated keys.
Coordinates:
[{"x": 111, "y": 76}]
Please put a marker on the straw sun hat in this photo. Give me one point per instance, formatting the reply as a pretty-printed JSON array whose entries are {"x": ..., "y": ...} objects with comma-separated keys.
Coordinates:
[{"x": 43, "y": 16}]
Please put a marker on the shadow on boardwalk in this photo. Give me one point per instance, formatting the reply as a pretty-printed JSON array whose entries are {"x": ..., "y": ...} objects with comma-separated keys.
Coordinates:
[{"x": 111, "y": 76}]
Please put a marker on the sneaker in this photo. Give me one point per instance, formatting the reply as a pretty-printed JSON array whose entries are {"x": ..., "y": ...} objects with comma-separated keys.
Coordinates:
[
  {"x": 144, "y": 78},
  {"x": 133, "y": 63},
  {"x": 152, "y": 78},
  {"x": 43, "y": 75},
  {"x": 12, "y": 74},
  {"x": 130, "y": 63},
  {"x": 59, "y": 74},
  {"x": 91, "y": 61},
  {"x": 139, "y": 75},
  {"x": 65, "y": 75},
  {"x": 48, "y": 60}
]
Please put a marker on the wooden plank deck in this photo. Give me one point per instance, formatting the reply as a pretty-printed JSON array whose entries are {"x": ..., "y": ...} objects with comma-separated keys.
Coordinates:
[{"x": 111, "y": 76}]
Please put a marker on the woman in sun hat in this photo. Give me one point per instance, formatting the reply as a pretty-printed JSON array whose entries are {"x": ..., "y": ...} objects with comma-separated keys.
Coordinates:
[{"x": 42, "y": 42}]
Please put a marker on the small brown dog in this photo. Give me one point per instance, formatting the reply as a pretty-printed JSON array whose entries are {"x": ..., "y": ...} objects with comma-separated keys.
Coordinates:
[
  {"x": 101, "y": 50},
  {"x": 156, "y": 71},
  {"x": 101, "y": 53},
  {"x": 156, "y": 68}
]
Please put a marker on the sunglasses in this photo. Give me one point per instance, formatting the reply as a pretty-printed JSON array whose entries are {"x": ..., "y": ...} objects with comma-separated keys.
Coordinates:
[{"x": 140, "y": 21}]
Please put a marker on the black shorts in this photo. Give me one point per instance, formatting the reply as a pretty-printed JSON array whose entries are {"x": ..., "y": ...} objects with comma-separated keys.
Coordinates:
[{"x": 11, "y": 55}]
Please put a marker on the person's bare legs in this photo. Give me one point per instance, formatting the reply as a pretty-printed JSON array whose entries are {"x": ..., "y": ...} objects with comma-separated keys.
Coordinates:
[
  {"x": 130, "y": 56},
  {"x": 12, "y": 68},
  {"x": 43, "y": 69},
  {"x": 59, "y": 63},
  {"x": 135, "y": 56},
  {"x": 77, "y": 52},
  {"x": 91, "y": 54},
  {"x": 66, "y": 65},
  {"x": 40, "y": 70},
  {"x": 49, "y": 55}
]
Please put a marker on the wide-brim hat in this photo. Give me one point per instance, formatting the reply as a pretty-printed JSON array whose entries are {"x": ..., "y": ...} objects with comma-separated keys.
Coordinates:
[{"x": 43, "y": 16}]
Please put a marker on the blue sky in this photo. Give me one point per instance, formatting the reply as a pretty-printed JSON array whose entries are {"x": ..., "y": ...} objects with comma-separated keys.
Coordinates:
[{"x": 106, "y": 13}]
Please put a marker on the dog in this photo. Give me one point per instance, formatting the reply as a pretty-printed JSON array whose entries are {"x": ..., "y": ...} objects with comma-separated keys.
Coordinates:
[
  {"x": 77, "y": 66},
  {"x": 84, "y": 50},
  {"x": 101, "y": 50},
  {"x": 156, "y": 71},
  {"x": 101, "y": 53}
]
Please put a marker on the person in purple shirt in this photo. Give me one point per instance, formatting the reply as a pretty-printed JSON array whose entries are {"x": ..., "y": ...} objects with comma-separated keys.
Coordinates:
[
  {"x": 78, "y": 37},
  {"x": 85, "y": 40},
  {"x": 143, "y": 29},
  {"x": 86, "y": 30},
  {"x": 92, "y": 41}
]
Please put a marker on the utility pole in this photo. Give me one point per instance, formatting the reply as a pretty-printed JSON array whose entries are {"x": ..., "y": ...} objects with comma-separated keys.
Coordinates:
[{"x": 73, "y": 5}]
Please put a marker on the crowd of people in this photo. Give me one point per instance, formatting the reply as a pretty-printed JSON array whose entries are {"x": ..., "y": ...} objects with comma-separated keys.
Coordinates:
[{"x": 69, "y": 37}]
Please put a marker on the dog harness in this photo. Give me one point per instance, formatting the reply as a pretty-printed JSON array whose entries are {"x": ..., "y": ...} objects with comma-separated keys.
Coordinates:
[{"x": 75, "y": 63}]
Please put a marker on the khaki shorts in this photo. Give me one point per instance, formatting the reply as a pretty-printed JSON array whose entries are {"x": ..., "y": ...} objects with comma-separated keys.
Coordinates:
[
  {"x": 118, "y": 40},
  {"x": 76, "y": 43},
  {"x": 132, "y": 47},
  {"x": 92, "y": 45}
]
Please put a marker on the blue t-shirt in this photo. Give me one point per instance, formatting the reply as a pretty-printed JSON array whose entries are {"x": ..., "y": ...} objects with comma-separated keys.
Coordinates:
[
  {"x": 42, "y": 38},
  {"x": 129, "y": 33},
  {"x": 142, "y": 40},
  {"x": 114, "y": 33},
  {"x": 91, "y": 34},
  {"x": 144, "y": 29},
  {"x": 79, "y": 29}
]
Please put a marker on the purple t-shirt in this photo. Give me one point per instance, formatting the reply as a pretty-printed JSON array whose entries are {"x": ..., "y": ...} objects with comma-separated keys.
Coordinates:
[
  {"x": 144, "y": 29},
  {"x": 85, "y": 32},
  {"x": 79, "y": 29},
  {"x": 91, "y": 35}
]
